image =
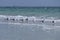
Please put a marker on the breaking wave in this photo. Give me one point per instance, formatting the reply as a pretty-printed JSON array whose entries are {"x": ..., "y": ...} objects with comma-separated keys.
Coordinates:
[{"x": 47, "y": 23}]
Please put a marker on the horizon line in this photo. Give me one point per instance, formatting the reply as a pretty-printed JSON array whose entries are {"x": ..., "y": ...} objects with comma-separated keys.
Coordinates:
[{"x": 29, "y": 6}]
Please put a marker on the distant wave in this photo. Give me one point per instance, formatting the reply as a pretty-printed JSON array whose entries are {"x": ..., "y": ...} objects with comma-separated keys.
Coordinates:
[
  {"x": 48, "y": 23},
  {"x": 28, "y": 19}
]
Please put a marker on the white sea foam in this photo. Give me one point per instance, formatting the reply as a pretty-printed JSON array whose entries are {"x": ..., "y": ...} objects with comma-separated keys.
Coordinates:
[
  {"x": 46, "y": 25},
  {"x": 29, "y": 18}
]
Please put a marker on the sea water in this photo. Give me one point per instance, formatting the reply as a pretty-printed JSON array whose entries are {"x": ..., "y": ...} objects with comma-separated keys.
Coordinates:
[{"x": 17, "y": 31}]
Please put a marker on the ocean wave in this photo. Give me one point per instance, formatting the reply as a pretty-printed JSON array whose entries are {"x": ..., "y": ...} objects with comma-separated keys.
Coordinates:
[
  {"x": 29, "y": 19},
  {"x": 47, "y": 23}
]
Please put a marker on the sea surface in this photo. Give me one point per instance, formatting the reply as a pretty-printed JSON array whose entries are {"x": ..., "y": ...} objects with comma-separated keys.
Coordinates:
[{"x": 16, "y": 31}]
